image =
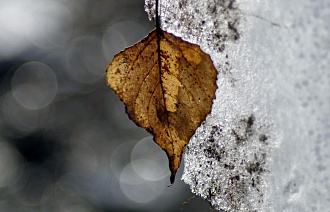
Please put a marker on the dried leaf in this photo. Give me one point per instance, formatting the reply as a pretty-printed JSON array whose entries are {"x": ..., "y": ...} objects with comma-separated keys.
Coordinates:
[{"x": 168, "y": 86}]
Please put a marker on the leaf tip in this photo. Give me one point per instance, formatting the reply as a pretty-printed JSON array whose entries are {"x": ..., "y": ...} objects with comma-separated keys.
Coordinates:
[{"x": 172, "y": 178}]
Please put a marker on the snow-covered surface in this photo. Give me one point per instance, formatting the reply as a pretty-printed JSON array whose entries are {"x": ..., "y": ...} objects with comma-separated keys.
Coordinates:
[{"x": 265, "y": 145}]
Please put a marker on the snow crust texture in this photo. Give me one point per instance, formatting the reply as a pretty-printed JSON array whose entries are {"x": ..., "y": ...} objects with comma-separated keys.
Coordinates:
[{"x": 265, "y": 145}]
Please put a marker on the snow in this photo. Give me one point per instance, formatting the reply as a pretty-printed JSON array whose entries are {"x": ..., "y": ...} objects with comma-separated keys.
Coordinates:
[{"x": 265, "y": 145}]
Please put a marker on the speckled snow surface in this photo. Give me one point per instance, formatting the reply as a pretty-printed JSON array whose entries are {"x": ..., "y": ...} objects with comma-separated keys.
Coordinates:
[{"x": 265, "y": 145}]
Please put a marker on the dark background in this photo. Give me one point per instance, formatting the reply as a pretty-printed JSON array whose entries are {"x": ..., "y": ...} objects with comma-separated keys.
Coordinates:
[{"x": 66, "y": 143}]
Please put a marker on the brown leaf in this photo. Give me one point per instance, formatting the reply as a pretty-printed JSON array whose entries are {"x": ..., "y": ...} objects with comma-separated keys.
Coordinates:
[{"x": 168, "y": 86}]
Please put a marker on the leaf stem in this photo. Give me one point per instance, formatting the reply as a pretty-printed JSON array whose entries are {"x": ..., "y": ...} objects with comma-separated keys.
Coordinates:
[{"x": 157, "y": 17}]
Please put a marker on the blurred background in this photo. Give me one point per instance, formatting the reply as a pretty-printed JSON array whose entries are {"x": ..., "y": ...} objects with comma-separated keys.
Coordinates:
[{"x": 66, "y": 143}]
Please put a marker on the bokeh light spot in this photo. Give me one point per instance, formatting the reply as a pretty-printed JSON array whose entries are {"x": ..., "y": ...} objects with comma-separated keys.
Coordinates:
[
  {"x": 137, "y": 189},
  {"x": 34, "y": 85},
  {"x": 149, "y": 161},
  {"x": 84, "y": 60},
  {"x": 121, "y": 157}
]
